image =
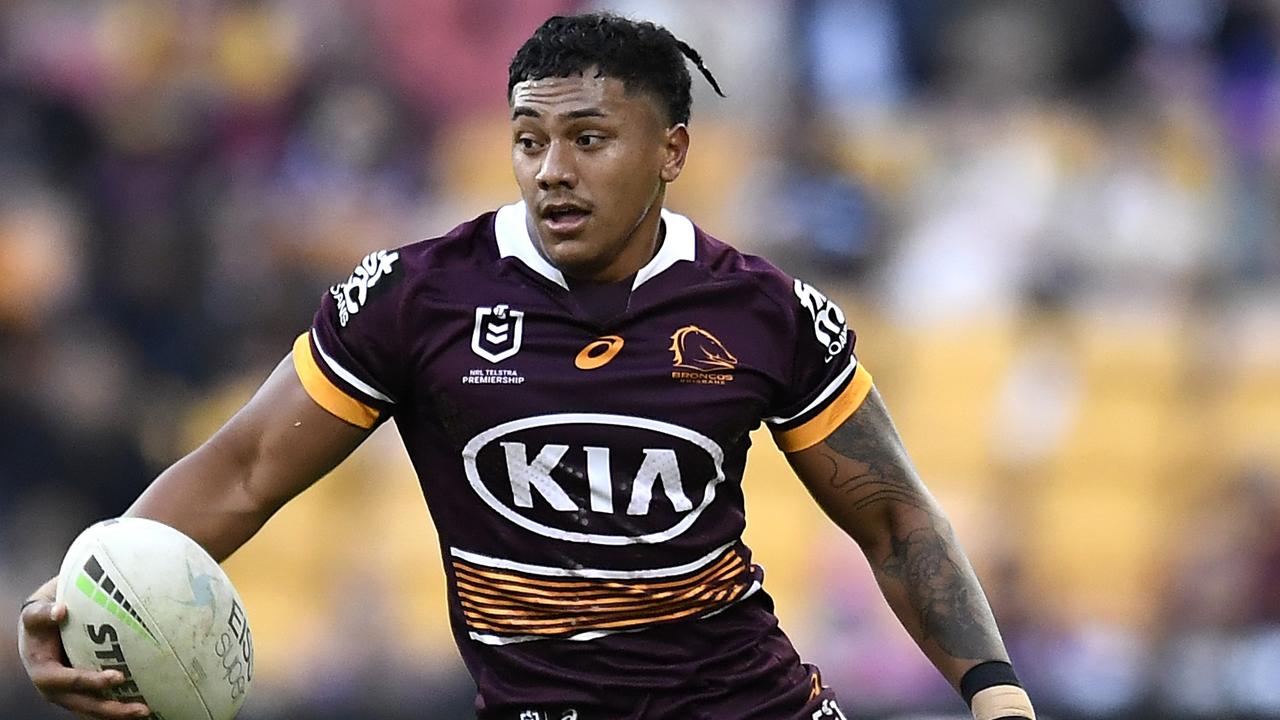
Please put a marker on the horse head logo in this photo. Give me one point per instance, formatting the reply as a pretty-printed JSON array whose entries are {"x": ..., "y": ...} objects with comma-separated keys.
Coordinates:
[{"x": 697, "y": 349}]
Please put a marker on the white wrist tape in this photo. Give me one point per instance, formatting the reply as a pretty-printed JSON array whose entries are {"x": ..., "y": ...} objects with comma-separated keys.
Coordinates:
[{"x": 1002, "y": 701}]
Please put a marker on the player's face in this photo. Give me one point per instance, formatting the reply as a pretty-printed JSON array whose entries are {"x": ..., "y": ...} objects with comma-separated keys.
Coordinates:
[{"x": 592, "y": 162}]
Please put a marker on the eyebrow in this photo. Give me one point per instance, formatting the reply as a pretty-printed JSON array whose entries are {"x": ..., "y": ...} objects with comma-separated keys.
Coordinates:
[{"x": 525, "y": 111}]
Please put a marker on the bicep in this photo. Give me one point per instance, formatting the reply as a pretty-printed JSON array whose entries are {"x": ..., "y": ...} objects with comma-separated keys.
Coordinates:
[{"x": 860, "y": 474}]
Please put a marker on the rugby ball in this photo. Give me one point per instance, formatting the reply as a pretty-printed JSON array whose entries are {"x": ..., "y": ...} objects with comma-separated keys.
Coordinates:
[{"x": 144, "y": 599}]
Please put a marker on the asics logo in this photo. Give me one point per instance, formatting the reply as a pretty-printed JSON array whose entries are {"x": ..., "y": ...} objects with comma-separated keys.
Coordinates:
[{"x": 598, "y": 352}]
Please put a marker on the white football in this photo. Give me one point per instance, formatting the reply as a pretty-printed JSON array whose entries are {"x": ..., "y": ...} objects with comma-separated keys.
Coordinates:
[{"x": 144, "y": 599}]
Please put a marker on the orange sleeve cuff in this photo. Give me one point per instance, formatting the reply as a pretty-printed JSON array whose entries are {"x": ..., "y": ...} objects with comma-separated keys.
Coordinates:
[
  {"x": 324, "y": 392},
  {"x": 831, "y": 417}
]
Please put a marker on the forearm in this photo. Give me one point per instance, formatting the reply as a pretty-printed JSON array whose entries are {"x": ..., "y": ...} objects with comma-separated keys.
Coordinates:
[
  {"x": 931, "y": 587},
  {"x": 861, "y": 476},
  {"x": 274, "y": 448},
  {"x": 208, "y": 496}
]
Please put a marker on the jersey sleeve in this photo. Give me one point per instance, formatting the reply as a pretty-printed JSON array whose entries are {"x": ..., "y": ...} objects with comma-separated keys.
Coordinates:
[
  {"x": 827, "y": 382},
  {"x": 350, "y": 361}
]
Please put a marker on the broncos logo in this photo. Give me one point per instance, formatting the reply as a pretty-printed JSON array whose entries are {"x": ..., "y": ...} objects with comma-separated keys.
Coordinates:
[{"x": 697, "y": 349}]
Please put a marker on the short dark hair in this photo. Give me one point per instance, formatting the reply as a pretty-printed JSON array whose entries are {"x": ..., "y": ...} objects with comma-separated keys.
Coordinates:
[{"x": 644, "y": 56}]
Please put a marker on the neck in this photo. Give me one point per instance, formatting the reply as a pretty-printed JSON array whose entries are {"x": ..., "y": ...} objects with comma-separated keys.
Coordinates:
[{"x": 642, "y": 244}]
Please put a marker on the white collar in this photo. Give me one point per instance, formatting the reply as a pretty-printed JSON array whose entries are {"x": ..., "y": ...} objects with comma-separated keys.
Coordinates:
[{"x": 514, "y": 241}]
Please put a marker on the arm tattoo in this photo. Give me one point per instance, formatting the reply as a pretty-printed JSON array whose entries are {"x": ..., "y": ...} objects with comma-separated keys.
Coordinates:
[
  {"x": 875, "y": 474},
  {"x": 880, "y": 458},
  {"x": 941, "y": 592}
]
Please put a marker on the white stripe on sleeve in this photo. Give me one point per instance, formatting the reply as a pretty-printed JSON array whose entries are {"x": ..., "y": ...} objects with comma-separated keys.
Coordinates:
[
  {"x": 345, "y": 374},
  {"x": 822, "y": 396}
]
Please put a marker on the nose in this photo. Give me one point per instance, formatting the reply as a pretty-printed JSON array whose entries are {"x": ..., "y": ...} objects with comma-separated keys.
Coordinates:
[{"x": 558, "y": 169}]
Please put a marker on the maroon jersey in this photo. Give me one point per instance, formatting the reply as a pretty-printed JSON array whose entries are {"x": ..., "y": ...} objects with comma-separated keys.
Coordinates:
[{"x": 584, "y": 475}]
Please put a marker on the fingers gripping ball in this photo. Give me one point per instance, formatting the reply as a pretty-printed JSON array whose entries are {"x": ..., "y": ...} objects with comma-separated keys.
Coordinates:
[{"x": 146, "y": 600}]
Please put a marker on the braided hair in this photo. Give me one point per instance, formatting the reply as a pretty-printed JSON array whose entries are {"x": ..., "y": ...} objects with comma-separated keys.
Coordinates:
[{"x": 644, "y": 56}]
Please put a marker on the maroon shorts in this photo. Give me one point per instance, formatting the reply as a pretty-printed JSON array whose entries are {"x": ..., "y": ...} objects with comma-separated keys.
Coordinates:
[{"x": 736, "y": 666}]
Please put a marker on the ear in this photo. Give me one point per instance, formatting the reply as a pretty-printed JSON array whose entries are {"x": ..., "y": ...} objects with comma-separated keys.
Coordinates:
[{"x": 675, "y": 151}]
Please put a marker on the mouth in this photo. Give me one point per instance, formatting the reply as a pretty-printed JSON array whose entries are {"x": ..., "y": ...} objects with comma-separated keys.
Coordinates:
[{"x": 565, "y": 218}]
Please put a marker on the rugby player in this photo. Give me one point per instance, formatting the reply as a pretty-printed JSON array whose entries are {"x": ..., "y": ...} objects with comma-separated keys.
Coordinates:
[{"x": 575, "y": 377}]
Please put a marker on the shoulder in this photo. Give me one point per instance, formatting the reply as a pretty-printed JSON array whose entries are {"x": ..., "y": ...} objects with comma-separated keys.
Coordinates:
[
  {"x": 470, "y": 244},
  {"x": 416, "y": 269},
  {"x": 792, "y": 304},
  {"x": 723, "y": 263}
]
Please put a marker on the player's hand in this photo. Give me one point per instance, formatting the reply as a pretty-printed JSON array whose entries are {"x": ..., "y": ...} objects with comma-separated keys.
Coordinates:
[{"x": 81, "y": 691}]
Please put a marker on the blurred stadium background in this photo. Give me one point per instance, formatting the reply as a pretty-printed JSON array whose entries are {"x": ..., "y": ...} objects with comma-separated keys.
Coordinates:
[{"x": 1055, "y": 226}]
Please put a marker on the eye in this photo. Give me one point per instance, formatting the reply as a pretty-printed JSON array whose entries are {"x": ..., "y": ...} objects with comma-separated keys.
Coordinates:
[
  {"x": 589, "y": 140},
  {"x": 527, "y": 143}
]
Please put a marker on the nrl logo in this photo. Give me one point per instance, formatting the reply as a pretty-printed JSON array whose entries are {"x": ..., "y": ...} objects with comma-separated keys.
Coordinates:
[{"x": 497, "y": 333}]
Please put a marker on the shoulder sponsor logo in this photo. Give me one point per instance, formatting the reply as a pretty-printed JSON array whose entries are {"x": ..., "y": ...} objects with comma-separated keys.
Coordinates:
[
  {"x": 700, "y": 358},
  {"x": 622, "y": 481},
  {"x": 598, "y": 352},
  {"x": 829, "y": 326},
  {"x": 497, "y": 332},
  {"x": 353, "y": 294}
]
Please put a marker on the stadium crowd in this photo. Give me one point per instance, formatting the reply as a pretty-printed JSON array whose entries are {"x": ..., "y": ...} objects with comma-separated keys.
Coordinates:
[{"x": 1055, "y": 227}]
